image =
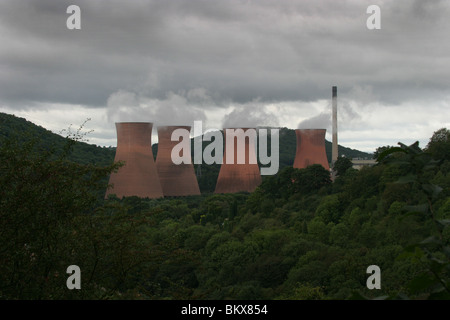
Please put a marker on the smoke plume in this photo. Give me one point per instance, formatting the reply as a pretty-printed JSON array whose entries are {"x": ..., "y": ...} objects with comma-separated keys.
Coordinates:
[
  {"x": 250, "y": 115},
  {"x": 176, "y": 109}
]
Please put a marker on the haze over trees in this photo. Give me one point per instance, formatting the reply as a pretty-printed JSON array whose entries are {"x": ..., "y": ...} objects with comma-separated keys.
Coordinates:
[{"x": 298, "y": 236}]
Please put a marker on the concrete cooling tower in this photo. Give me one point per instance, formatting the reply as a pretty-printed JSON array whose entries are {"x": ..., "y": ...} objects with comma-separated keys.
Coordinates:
[
  {"x": 176, "y": 180},
  {"x": 236, "y": 177},
  {"x": 310, "y": 148},
  {"x": 138, "y": 177}
]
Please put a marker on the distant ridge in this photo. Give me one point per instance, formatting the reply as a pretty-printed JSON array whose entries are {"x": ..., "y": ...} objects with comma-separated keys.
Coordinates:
[{"x": 22, "y": 129}]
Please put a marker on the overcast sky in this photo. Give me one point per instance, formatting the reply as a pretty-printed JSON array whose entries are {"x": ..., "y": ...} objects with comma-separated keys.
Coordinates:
[{"x": 230, "y": 63}]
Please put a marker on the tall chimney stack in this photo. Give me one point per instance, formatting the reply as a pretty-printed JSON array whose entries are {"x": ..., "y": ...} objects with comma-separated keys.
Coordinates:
[{"x": 334, "y": 150}]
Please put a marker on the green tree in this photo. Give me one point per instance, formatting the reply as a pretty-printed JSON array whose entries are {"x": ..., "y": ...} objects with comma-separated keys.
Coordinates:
[
  {"x": 310, "y": 179},
  {"x": 433, "y": 252},
  {"x": 380, "y": 150},
  {"x": 341, "y": 165},
  {"x": 51, "y": 217},
  {"x": 439, "y": 144},
  {"x": 329, "y": 210}
]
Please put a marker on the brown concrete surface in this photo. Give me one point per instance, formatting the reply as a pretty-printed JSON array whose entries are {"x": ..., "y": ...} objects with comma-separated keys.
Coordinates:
[
  {"x": 176, "y": 180},
  {"x": 239, "y": 177},
  {"x": 310, "y": 148},
  {"x": 138, "y": 177}
]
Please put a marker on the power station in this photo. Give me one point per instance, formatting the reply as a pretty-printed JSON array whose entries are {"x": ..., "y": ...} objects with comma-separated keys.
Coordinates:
[
  {"x": 176, "y": 179},
  {"x": 141, "y": 176},
  {"x": 234, "y": 176}
]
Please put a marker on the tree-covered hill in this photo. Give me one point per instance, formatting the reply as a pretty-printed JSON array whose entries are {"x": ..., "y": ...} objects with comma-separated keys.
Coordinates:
[{"x": 22, "y": 129}]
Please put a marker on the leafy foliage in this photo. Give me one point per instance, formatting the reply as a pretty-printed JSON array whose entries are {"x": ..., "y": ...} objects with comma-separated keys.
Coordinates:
[
  {"x": 341, "y": 165},
  {"x": 439, "y": 144}
]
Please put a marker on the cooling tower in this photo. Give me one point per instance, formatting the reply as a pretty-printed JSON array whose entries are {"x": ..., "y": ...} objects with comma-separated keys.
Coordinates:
[
  {"x": 138, "y": 177},
  {"x": 236, "y": 177},
  {"x": 176, "y": 180},
  {"x": 310, "y": 148}
]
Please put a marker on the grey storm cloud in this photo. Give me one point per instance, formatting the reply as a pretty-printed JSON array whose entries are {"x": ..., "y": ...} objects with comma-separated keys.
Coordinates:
[{"x": 234, "y": 52}]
